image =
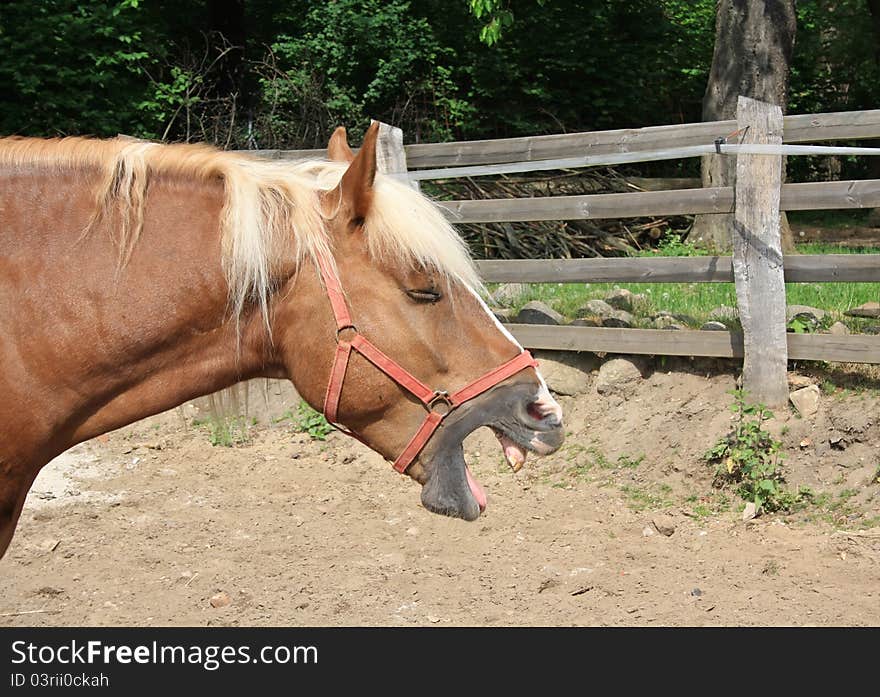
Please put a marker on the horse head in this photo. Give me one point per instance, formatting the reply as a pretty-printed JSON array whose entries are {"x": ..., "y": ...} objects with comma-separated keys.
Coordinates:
[{"x": 391, "y": 339}]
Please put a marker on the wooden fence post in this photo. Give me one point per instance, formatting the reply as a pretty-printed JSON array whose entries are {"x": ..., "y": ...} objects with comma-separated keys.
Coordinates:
[
  {"x": 390, "y": 154},
  {"x": 757, "y": 257}
]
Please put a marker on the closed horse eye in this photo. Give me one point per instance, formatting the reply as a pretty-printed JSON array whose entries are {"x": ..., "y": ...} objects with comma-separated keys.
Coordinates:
[{"x": 426, "y": 295}]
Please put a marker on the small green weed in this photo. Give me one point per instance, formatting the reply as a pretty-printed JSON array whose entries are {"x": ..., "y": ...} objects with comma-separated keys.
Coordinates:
[
  {"x": 226, "y": 431},
  {"x": 672, "y": 245},
  {"x": 750, "y": 459},
  {"x": 583, "y": 459},
  {"x": 641, "y": 499},
  {"x": 307, "y": 420},
  {"x": 627, "y": 462},
  {"x": 800, "y": 326}
]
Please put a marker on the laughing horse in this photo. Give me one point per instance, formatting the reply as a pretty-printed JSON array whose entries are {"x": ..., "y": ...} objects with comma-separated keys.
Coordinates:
[{"x": 136, "y": 276}]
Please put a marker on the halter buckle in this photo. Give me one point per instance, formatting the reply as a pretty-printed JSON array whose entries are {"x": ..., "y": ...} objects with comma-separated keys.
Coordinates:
[{"x": 440, "y": 403}]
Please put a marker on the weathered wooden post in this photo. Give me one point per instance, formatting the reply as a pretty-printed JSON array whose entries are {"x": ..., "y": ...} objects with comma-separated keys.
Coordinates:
[
  {"x": 757, "y": 256},
  {"x": 390, "y": 154}
]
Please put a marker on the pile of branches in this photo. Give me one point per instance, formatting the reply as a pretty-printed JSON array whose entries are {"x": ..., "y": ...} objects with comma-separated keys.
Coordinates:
[{"x": 557, "y": 239}]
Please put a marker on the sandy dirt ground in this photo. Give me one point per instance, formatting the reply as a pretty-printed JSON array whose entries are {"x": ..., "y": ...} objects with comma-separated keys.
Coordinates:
[{"x": 145, "y": 525}]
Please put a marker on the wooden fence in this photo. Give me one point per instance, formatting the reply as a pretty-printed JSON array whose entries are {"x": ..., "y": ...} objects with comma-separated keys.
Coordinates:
[{"x": 757, "y": 267}]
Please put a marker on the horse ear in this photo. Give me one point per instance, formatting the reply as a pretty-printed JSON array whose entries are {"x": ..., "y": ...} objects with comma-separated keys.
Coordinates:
[
  {"x": 357, "y": 182},
  {"x": 337, "y": 148}
]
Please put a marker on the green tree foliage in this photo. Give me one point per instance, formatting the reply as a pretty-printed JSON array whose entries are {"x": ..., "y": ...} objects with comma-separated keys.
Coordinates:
[
  {"x": 585, "y": 65},
  {"x": 836, "y": 64},
  {"x": 344, "y": 61},
  {"x": 496, "y": 14},
  {"x": 72, "y": 67},
  {"x": 298, "y": 68}
]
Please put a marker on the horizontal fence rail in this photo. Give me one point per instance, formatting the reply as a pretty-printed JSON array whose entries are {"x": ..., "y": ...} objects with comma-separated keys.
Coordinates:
[
  {"x": 799, "y": 268},
  {"x": 630, "y": 157},
  {"x": 800, "y": 128},
  {"x": 795, "y": 197},
  {"x": 666, "y": 342}
]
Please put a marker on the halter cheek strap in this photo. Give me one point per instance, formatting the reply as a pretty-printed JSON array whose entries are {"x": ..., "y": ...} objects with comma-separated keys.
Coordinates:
[{"x": 438, "y": 403}]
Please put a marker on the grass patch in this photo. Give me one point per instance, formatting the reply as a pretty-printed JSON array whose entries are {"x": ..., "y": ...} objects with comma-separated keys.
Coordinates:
[
  {"x": 839, "y": 511},
  {"x": 585, "y": 459},
  {"x": 709, "y": 505},
  {"x": 829, "y": 218},
  {"x": 697, "y": 300},
  {"x": 647, "y": 498},
  {"x": 227, "y": 431}
]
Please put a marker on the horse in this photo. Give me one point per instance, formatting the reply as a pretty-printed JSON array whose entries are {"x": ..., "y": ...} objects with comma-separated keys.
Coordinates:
[{"x": 135, "y": 276}]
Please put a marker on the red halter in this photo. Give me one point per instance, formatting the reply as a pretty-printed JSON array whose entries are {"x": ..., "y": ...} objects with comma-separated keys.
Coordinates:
[{"x": 438, "y": 402}]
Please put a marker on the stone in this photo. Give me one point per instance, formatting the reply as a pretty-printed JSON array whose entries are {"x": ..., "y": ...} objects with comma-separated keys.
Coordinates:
[
  {"x": 666, "y": 322},
  {"x": 617, "y": 376},
  {"x": 685, "y": 319},
  {"x": 837, "y": 442},
  {"x": 566, "y": 372},
  {"x": 723, "y": 312},
  {"x": 804, "y": 313},
  {"x": 620, "y": 299},
  {"x": 618, "y": 318},
  {"x": 873, "y": 218},
  {"x": 870, "y": 309},
  {"x": 806, "y": 400},
  {"x": 221, "y": 599},
  {"x": 838, "y": 329},
  {"x": 665, "y": 524},
  {"x": 647, "y": 532},
  {"x": 750, "y": 511},
  {"x": 508, "y": 294},
  {"x": 587, "y": 322},
  {"x": 503, "y": 314},
  {"x": 536, "y": 312},
  {"x": 713, "y": 326},
  {"x": 595, "y": 307},
  {"x": 798, "y": 382},
  {"x": 793, "y": 311}
]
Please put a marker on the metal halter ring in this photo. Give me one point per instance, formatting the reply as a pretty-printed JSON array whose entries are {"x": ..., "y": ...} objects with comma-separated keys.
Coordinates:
[
  {"x": 345, "y": 329},
  {"x": 441, "y": 400}
]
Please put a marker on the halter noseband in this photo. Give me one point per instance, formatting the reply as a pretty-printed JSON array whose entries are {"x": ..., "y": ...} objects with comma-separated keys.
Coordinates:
[{"x": 438, "y": 403}]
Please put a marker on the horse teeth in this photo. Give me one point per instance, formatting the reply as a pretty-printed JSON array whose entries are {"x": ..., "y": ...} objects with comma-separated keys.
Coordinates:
[{"x": 515, "y": 462}]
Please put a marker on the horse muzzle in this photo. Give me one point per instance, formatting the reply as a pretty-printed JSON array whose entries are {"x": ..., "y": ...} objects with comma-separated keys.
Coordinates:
[{"x": 524, "y": 417}]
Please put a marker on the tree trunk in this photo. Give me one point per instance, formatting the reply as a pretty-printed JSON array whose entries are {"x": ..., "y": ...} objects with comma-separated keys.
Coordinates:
[{"x": 754, "y": 41}]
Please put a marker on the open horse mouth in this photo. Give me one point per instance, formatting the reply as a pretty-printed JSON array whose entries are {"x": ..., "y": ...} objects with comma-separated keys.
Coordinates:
[{"x": 523, "y": 419}]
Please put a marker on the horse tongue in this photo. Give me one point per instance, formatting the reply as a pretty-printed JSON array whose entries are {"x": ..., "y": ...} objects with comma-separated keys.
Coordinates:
[{"x": 478, "y": 491}]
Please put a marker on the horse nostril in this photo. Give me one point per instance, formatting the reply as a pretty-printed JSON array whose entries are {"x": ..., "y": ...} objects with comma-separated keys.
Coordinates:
[{"x": 549, "y": 414}]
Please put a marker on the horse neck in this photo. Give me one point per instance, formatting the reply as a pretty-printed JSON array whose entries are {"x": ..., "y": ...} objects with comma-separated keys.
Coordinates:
[{"x": 88, "y": 346}]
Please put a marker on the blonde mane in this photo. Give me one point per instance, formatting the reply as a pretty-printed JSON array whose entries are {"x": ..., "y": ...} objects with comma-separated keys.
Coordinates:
[{"x": 268, "y": 207}]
